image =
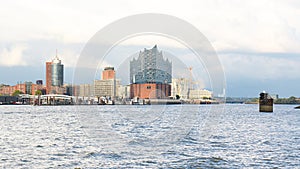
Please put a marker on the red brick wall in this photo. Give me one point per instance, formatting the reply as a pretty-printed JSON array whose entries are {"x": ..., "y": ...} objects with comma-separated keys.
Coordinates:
[
  {"x": 108, "y": 74},
  {"x": 150, "y": 91},
  {"x": 35, "y": 87},
  {"x": 7, "y": 90},
  {"x": 21, "y": 87}
]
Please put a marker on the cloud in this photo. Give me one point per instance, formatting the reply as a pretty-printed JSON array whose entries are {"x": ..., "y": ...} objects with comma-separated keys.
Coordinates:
[
  {"x": 261, "y": 66},
  {"x": 254, "y": 39},
  {"x": 69, "y": 57},
  {"x": 13, "y": 56},
  {"x": 262, "y": 26},
  {"x": 37, "y": 52}
]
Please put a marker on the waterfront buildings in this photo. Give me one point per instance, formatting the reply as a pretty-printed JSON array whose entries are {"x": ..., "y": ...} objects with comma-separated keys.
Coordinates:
[
  {"x": 6, "y": 90},
  {"x": 38, "y": 86},
  {"x": 184, "y": 88},
  {"x": 150, "y": 75},
  {"x": 150, "y": 78},
  {"x": 86, "y": 90},
  {"x": 124, "y": 92},
  {"x": 54, "y": 82},
  {"x": 24, "y": 88},
  {"x": 180, "y": 87},
  {"x": 108, "y": 86},
  {"x": 54, "y": 76},
  {"x": 105, "y": 88},
  {"x": 200, "y": 94}
]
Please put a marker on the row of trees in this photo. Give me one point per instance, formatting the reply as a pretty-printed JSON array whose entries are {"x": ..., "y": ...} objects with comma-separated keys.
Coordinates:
[
  {"x": 18, "y": 92},
  {"x": 290, "y": 100}
]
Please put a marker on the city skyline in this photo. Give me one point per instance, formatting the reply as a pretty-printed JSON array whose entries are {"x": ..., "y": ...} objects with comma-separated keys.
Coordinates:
[
  {"x": 150, "y": 73},
  {"x": 257, "y": 42}
]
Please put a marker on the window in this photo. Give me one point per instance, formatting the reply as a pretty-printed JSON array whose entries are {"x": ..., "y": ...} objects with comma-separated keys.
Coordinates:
[{"x": 148, "y": 87}]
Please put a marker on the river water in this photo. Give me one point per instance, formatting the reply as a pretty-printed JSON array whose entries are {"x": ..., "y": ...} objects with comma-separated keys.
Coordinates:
[{"x": 173, "y": 136}]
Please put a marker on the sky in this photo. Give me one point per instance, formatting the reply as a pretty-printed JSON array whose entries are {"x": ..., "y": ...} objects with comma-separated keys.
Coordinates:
[{"x": 257, "y": 41}]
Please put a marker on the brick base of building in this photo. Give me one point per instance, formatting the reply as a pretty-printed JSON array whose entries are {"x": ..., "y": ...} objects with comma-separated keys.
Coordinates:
[{"x": 150, "y": 91}]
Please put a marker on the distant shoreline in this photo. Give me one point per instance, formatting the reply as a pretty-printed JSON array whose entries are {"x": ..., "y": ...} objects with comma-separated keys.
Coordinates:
[{"x": 298, "y": 107}]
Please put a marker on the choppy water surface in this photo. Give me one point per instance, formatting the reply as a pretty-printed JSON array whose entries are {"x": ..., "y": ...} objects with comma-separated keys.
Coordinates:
[{"x": 174, "y": 136}]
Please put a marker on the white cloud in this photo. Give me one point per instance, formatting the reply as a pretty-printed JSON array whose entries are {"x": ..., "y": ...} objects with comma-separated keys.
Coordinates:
[
  {"x": 264, "y": 26},
  {"x": 68, "y": 57},
  {"x": 258, "y": 26},
  {"x": 13, "y": 56}
]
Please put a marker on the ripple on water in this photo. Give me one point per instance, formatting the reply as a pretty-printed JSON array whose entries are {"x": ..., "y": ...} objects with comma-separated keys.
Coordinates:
[{"x": 241, "y": 137}]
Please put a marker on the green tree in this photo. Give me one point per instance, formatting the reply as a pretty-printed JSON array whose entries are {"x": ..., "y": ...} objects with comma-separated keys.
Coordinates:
[
  {"x": 292, "y": 100},
  {"x": 255, "y": 100},
  {"x": 17, "y": 93},
  {"x": 177, "y": 97},
  {"x": 38, "y": 92}
]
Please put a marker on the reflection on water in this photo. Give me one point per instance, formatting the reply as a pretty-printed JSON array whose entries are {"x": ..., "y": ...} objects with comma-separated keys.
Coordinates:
[{"x": 149, "y": 136}]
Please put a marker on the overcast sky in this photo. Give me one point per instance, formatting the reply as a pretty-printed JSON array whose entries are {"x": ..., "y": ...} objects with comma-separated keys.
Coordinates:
[{"x": 257, "y": 41}]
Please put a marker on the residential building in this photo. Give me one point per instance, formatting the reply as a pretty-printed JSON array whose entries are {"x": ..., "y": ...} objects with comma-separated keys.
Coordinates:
[
  {"x": 21, "y": 87},
  {"x": 6, "y": 90},
  {"x": 25, "y": 88}
]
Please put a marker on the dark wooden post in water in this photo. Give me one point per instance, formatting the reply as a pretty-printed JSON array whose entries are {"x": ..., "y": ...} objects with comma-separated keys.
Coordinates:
[{"x": 265, "y": 103}]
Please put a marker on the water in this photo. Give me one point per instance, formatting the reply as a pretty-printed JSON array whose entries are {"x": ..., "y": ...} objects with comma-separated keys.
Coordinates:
[{"x": 175, "y": 136}]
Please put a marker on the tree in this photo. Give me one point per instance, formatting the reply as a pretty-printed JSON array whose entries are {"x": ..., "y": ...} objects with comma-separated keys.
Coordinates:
[
  {"x": 177, "y": 97},
  {"x": 292, "y": 100},
  {"x": 38, "y": 92},
  {"x": 17, "y": 93}
]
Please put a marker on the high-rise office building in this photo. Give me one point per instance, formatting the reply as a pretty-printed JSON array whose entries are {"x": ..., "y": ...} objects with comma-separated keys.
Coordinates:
[
  {"x": 150, "y": 75},
  {"x": 57, "y": 72},
  {"x": 54, "y": 75}
]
